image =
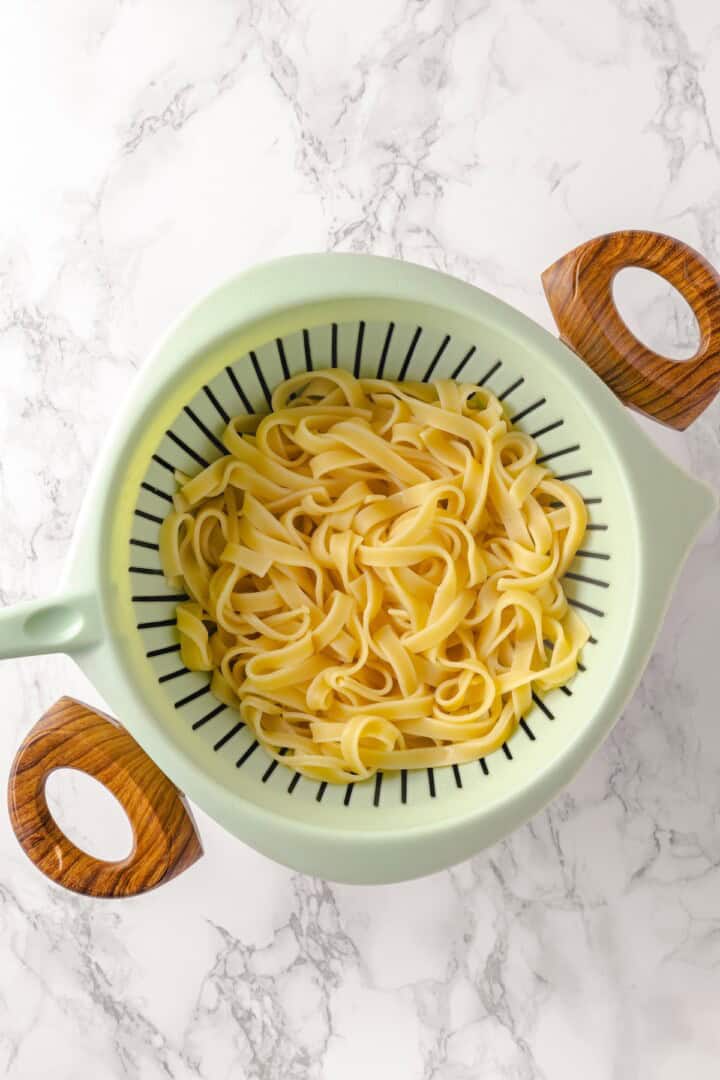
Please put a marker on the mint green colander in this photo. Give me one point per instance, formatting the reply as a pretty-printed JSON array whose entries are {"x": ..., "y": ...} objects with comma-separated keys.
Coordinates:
[{"x": 115, "y": 615}]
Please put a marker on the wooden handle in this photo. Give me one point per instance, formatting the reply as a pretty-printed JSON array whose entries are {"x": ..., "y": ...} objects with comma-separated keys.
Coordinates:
[
  {"x": 579, "y": 291},
  {"x": 72, "y": 735}
]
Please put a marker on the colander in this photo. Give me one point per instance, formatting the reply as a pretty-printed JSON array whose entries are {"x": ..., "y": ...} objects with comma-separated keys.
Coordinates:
[{"x": 115, "y": 615}]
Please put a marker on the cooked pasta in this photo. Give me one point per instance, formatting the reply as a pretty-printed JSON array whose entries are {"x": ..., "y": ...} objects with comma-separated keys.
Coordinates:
[{"x": 374, "y": 571}]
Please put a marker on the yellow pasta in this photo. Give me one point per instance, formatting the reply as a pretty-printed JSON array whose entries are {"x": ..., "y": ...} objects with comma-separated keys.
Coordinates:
[{"x": 375, "y": 574}]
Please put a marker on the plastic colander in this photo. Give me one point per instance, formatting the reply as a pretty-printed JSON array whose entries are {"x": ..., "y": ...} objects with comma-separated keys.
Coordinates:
[{"x": 115, "y": 614}]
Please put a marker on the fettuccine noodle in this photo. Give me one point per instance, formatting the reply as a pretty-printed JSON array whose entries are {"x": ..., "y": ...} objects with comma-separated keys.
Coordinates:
[{"x": 374, "y": 574}]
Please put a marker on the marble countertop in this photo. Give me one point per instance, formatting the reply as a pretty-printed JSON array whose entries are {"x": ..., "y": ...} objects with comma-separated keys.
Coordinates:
[{"x": 150, "y": 150}]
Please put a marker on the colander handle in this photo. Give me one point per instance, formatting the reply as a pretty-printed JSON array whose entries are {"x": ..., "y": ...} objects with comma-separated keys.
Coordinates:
[
  {"x": 579, "y": 291},
  {"x": 62, "y": 623},
  {"x": 72, "y": 735}
]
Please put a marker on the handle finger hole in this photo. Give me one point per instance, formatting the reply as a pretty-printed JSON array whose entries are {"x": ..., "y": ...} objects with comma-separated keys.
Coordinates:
[
  {"x": 656, "y": 313},
  {"x": 579, "y": 290},
  {"x": 89, "y": 815}
]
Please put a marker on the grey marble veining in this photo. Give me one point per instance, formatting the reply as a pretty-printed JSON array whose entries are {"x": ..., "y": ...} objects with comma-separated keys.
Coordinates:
[{"x": 151, "y": 150}]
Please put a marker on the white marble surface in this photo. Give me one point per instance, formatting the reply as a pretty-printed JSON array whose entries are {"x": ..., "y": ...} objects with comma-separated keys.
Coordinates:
[{"x": 149, "y": 150}]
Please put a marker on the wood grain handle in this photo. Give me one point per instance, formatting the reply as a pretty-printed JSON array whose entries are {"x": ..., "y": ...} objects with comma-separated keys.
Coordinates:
[
  {"x": 579, "y": 291},
  {"x": 72, "y": 735}
]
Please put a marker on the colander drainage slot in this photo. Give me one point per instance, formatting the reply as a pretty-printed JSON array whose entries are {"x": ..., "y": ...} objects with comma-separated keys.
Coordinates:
[
  {"x": 436, "y": 357},
  {"x": 587, "y": 580},
  {"x": 205, "y": 430},
  {"x": 470, "y": 353},
  {"x": 155, "y": 623},
  {"x": 173, "y": 675},
  {"x": 188, "y": 450},
  {"x": 216, "y": 405},
  {"x": 282, "y": 357},
  {"x": 175, "y": 598},
  {"x": 239, "y": 390},
  {"x": 273, "y": 766},
  {"x": 192, "y": 697},
  {"x": 228, "y": 735},
  {"x": 557, "y": 453},
  {"x": 542, "y": 706},
  {"x": 165, "y": 464},
  {"x": 385, "y": 349},
  {"x": 208, "y": 716},
  {"x": 358, "y": 349},
  {"x": 293, "y": 783},
  {"x": 526, "y": 412},
  {"x": 489, "y": 374},
  {"x": 261, "y": 379},
  {"x": 574, "y": 475},
  {"x": 409, "y": 354},
  {"x": 511, "y": 389},
  {"x": 156, "y": 491},
  {"x": 307, "y": 350},
  {"x": 545, "y": 430},
  {"x": 145, "y": 544},
  {"x": 244, "y": 757},
  {"x": 162, "y": 652},
  {"x": 148, "y": 517},
  {"x": 586, "y": 607}
]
